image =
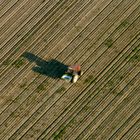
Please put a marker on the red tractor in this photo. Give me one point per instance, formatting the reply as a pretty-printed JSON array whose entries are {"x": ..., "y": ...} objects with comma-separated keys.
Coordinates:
[{"x": 72, "y": 74}]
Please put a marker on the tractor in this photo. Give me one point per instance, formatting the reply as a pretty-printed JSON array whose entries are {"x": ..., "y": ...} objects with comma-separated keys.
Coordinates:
[{"x": 72, "y": 74}]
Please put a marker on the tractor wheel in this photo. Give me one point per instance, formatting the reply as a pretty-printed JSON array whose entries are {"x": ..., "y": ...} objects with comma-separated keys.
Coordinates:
[{"x": 75, "y": 78}]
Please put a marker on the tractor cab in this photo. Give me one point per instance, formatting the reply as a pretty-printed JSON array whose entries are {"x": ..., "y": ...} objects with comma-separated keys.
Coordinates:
[{"x": 72, "y": 74}]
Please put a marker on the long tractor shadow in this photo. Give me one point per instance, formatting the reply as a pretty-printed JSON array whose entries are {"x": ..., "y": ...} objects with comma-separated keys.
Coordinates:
[{"x": 51, "y": 68}]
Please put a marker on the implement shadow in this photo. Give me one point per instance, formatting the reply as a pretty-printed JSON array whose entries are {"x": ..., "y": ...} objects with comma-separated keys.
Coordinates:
[{"x": 51, "y": 68}]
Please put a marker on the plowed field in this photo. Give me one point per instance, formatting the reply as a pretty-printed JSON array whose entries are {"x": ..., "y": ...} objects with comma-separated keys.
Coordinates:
[{"x": 39, "y": 38}]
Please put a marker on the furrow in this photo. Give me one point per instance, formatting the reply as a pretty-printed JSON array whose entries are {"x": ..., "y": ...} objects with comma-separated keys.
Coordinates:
[
  {"x": 62, "y": 101},
  {"x": 116, "y": 44},
  {"x": 103, "y": 114},
  {"x": 108, "y": 89},
  {"x": 8, "y": 5},
  {"x": 39, "y": 45},
  {"x": 81, "y": 104},
  {"x": 73, "y": 33},
  {"x": 80, "y": 43},
  {"x": 95, "y": 39},
  {"x": 97, "y": 66},
  {"x": 10, "y": 14},
  {"x": 117, "y": 121},
  {"x": 52, "y": 15},
  {"x": 131, "y": 131},
  {"x": 3, "y": 3},
  {"x": 13, "y": 68},
  {"x": 126, "y": 126},
  {"x": 124, "y": 116},
  {"x": 12, "y": 25},
  {"x": 108, "y": 73},
  {"x": 27, "y": 25},
  {"x": 61, "y": 48},
  {"x": 103, "y": 37},
  {"x": 136, "y": 136},
  {"x": 7, "y": 21}
]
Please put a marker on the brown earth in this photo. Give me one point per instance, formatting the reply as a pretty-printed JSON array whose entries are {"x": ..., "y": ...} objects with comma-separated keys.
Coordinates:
[{"x": 39, "y": 38}]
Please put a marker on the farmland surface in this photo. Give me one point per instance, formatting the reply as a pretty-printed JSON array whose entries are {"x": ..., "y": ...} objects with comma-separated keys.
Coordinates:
[{"x": 39, "y": 39}]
